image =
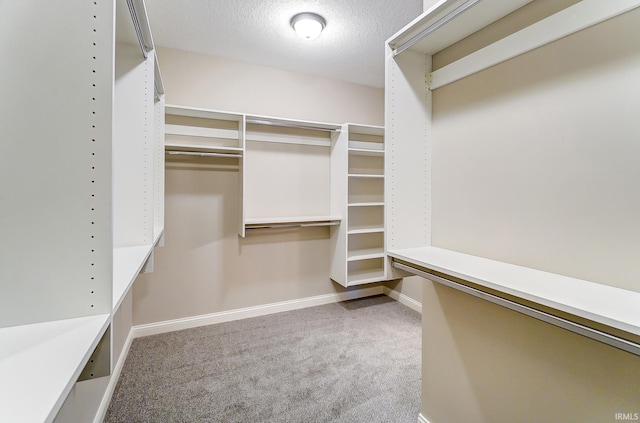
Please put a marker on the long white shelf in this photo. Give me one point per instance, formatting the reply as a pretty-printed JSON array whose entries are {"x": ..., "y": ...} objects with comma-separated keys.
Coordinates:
[
  {"x": 290, "y": 221},
  {"x": 365, "y": 175},
  {"x": 610, "y": 306},
  {"x": 127, "y": 264},
  {"x": 169, "y": 146},
  {"x": 365, "y": 254},
  {"x": 367, "y": 204},
  {"x": 40, "y": 363},
  {"x": 449, "y": 21}
]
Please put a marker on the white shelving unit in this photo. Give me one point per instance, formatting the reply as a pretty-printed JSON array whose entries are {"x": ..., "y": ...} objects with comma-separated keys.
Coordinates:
[
  {"x": 84, "y": 144},
  {"x": 357, "y": 178},
  {"x": 409, "y": 139},
  {"x": 195, "y": 130}
]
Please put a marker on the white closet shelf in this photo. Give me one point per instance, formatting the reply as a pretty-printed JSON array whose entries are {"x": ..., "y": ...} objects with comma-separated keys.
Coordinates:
[
  {"x": 369, "y": 230},
  {"x": 366, "y": 152},
  {"x": 175, "y": 148},
  {"x": 274, "y": 222},
  {"x": 128, "y": 262},
  {"x": 365, "y": 175},
  {"x": 40, "y": 363},
  {"x": 367, "y": 204},
  {"x": 202, "y": 113},
  {"x": 365, "y": 276},
  {"x": 609, "y": 306},
  {"x": 292, "y": 123},
  {"x": 365, "y": 254}
]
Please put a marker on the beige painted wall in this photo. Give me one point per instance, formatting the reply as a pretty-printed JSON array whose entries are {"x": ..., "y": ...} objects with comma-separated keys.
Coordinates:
[
  {"x": 560, "y": 195},
  {"x": 205, "y": 267}
]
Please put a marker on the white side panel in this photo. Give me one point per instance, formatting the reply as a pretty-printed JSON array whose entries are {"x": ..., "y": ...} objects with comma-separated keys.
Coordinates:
[
  {"x": 83, "y": 401},
  {"x": 133, "y": 147},
  {"x": 338, "y": 207},
  {"x": 408, "y": 151},
  {"x": 55, "y": 166},
  {"x": 158, "y": 168}
]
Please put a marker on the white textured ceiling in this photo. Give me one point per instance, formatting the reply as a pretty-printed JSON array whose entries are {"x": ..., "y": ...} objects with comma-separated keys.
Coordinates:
[{"x": 351, "y": 47}]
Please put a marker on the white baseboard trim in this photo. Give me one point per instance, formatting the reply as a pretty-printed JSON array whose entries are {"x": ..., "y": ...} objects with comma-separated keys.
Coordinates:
[
  {"x": 422, "y": 419},
  {"x": 403, "y": 299},
  {"x": 244, "y": 313},
  {"x": 115, "y": 375}
]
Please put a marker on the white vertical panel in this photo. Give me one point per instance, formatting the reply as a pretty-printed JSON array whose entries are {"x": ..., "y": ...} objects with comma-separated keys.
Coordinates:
[
  {"x": 55, "y": 167},
  {"x": 132, "y": 147},
  {"x": 338, "y": 206},
  {"x": 286, "y": 180},
  {"x": 158, "y": 168},
  {"x": 242, "y": 176},
  {"x": 408, "y": 150}
]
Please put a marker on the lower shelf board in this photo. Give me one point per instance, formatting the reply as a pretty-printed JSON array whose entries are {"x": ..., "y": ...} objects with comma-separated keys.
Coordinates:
[{"x": 41, "y": 362}]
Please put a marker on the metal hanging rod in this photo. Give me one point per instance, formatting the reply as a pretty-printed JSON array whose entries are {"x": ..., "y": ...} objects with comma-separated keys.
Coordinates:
[
  {"x": 141, "y": 25},
  {"x": 204, "y": 154},
  {"x": 290, "y": 125},
  {"x": 289, "y": 225},
  {"x": 435, "y": 26},
  {"x": 589, "y": 332}
]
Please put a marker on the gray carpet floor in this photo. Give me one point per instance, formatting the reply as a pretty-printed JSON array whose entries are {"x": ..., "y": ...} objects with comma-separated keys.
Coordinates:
[{"x": 355, "y": 361}]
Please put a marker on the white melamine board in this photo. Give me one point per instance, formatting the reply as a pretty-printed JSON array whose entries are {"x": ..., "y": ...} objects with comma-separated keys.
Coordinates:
[
  {"x": 365, "y": 254},
  {"x": 338, "y": 206},
  {"x": 83, "y": 402},
  {"x": 365, "y": 271},
  {"x": 196, "y": 131},
  {"x": 614, "y": 307},
  {"x": 473, "y": 19},
  {"x": 367, "y": 152},
  {"x": 203, "y": 148},
  {"x": 127, "y": 264},
  {"x": 55, "y": 167},
  {"x": 158, "y": 169},
  {"x": 286, "y": 180},
  {"x": 572, "y": 19},
  {"x": 376, "y": 131},
  {"x": 133, "y": 142},
  {"x": 121, "y": 323},
  {"x": 266, "y": 121},
  {"x": 39, "y": 364},
  {"x": 407, "y": 150},
  {"x": 171, "y": 109}
]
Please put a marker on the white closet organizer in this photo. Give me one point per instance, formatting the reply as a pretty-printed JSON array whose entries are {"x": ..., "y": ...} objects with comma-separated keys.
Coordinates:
[
  {"x": 286, "y": 173},
  {"x": 605, "y": 313},
  {"x": 194, "y": 131},
  {"x": 357, "y": 194},
  {"x": 82, "y": 174}
]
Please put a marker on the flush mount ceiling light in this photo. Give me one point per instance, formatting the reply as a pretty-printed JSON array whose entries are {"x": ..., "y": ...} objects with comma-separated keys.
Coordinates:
[{"x": 308, "y": 26}]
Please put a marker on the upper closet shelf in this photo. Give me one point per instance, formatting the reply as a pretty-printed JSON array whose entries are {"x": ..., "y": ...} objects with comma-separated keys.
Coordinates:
[
  {"x": 450, "y": 21},
  {"x": 528, "y": 290}
]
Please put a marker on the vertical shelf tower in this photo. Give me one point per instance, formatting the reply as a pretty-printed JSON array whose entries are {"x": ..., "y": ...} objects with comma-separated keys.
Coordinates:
[{"x": 357, "y": 178}]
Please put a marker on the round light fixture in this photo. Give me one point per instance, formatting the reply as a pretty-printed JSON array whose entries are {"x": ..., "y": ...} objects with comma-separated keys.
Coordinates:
[{"x": 308, "y": 26}]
